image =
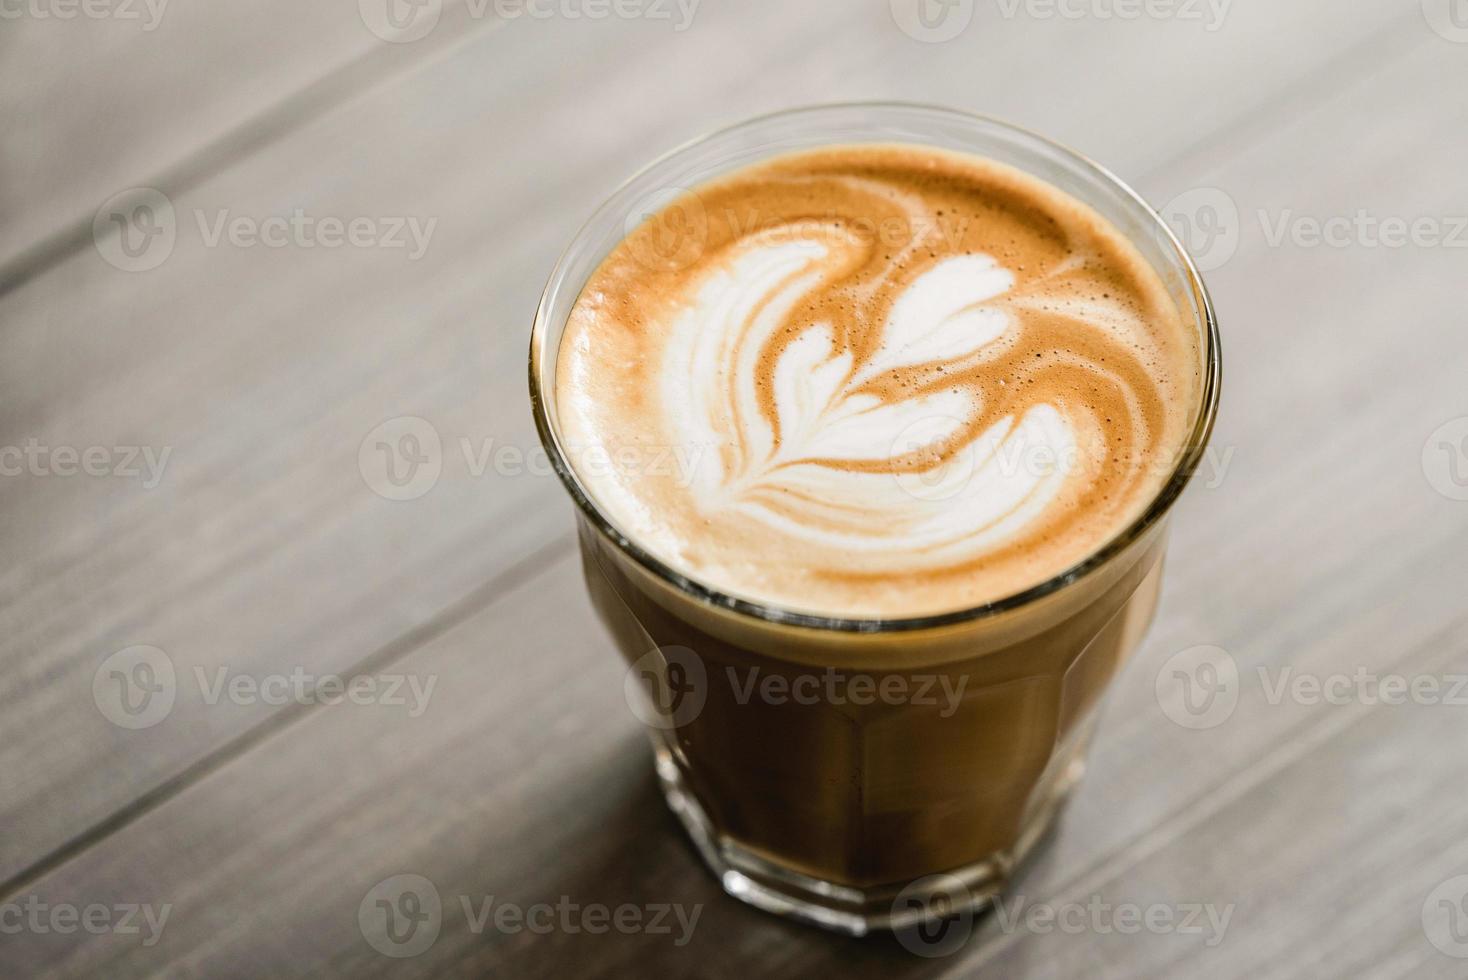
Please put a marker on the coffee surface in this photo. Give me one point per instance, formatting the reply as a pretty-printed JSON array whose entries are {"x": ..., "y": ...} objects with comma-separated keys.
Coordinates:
[{"x": 875, "y": 382}]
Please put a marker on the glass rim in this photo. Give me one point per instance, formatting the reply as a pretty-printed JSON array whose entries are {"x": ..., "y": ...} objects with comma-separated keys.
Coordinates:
[{"x": 1157, "y": 509}]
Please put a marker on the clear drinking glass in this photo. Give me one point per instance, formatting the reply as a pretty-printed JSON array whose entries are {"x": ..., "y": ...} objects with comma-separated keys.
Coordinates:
[{"x": 860, "y": 813}]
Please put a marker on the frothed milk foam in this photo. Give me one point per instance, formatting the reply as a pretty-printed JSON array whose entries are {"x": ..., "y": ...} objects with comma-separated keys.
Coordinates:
[{"x": 894, "y": 381}]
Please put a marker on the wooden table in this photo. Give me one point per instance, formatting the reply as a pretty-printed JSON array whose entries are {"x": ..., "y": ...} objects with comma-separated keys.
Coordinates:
[{"x": 256, "y": 559}]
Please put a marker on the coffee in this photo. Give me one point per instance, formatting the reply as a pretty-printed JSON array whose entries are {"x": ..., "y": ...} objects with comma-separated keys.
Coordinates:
[
  {"x": 874, "y": 447},
  {"x": 899, "y": 382}
]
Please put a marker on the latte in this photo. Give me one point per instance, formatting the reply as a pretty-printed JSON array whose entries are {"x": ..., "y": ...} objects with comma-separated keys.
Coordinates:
[{"x": 895, "y": 381}]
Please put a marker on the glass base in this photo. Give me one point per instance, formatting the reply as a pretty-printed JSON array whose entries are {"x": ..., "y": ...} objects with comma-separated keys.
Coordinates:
[{"x": 756, "y": 880}]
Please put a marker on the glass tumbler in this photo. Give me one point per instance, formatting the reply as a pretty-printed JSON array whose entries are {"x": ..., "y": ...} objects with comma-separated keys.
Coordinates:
[{"x": 806, "y": 789}]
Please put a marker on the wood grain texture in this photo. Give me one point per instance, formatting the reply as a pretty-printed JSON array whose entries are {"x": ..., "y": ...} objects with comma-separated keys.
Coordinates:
[
  {"x": 264, "y": 551},
  {"x": 163, "y": 92},
  {"x": 265, "y": 369},
  {"x": 266, "y": 394}
]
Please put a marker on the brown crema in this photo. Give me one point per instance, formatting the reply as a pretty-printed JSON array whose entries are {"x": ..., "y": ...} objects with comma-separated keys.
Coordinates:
[{"x": 876, "y": 381}]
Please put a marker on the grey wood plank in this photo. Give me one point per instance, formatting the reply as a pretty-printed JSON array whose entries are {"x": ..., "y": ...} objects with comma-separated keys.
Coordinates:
[
  {"x": 264, "y": 370},
  {"x": 110, "y": 95},
  {"x": 265, "y": 526},
  {"x": 538, "y": 789},
  {"x": 278, "y": 381},
  {"x": 1323, "y": 869},
  {"x": 155, "y": 92}
]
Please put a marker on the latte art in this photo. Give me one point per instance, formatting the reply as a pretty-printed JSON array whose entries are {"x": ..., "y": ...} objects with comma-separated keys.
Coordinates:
[{"x": 909, "y": 382}]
